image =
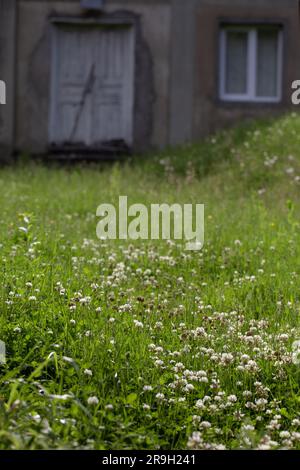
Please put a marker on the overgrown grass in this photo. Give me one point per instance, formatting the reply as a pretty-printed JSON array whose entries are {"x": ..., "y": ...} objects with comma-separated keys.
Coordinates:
[{"x": 134, "y": 345}]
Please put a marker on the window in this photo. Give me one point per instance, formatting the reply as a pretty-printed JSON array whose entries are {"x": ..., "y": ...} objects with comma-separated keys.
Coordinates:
[{"x": 251, "y": 63}]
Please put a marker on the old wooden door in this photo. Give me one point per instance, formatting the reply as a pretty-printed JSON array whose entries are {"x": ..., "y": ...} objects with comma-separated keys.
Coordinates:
[{"x": 92, "y": 90}]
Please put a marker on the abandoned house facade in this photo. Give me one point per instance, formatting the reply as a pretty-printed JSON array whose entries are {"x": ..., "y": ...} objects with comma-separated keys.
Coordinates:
[{"x": 98, "y": 76}]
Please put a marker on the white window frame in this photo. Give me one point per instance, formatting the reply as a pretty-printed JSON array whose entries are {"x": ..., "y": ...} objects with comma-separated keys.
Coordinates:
[{"x": 250, "y": 95}]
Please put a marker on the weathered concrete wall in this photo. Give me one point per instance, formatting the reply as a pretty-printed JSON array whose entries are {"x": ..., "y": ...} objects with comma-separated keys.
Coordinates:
[
  {"x": 176, "y": 82},
  {"x": 156, "y": 18},
  {"x": 210, "y": 113},
  {"x": 7, "y": 63},
  {"x": 195, "y": 107},
  {"x": 33, "y": 71},
  {"x": 34, "y": 61},
  {"x": 182, "y": 70}
]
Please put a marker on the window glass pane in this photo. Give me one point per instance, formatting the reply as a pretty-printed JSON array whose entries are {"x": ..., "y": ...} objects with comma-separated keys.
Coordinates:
[
  {"x": 236, "y": 63},
  {"x": 267, "y": 62}
]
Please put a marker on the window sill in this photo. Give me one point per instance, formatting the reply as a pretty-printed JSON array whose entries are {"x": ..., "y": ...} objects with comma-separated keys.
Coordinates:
[{"x": 252, "y": 103}]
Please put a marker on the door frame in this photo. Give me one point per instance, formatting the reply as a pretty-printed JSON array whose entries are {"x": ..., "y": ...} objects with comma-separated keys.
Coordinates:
[{"x": 106, "y": 20}]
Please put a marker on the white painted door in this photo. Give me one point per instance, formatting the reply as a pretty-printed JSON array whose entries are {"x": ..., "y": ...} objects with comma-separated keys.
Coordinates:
[{"x": 92, "y": 89}]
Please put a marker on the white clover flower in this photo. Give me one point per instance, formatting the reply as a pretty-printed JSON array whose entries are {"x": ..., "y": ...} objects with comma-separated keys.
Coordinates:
[
  {"x": 205, "y": 425},
  {"x": 160, "y": 396},
  {"x": 85, "y": 300},
  {"x": 206, "y": 399},
  {"x": 189, "y": 388},
  {"x": 232, "y": 398},
  {"x": 179, "y": 366},
  {"x": 194, "y": 440},
  {"x": 196, "y": 419},
  {"x": 248, "y": 427},
  {"x": 201, "y": 373},
  {"x": 37, "y": 418},
  {"x": 283, "y": 336},
  {"x": 252, "y": 366},
  {"x": 159, "y": 363},
  {"x": 88, "y": 372},
  {"x": 226, "y": 358},
  {"x": 284, "y": 434},
  {"x": 147, "y": 388},
  {"x": 200, "y": 405},
  {"x": 92, "y": 401},
  {"x": 203, "y": 379},
  {"x": 261, "y": 402},
  {"x": 245, "y": 358}
]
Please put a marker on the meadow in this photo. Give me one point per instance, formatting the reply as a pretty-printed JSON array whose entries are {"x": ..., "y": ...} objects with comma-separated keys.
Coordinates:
[{"x": 144, "y": 345}]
